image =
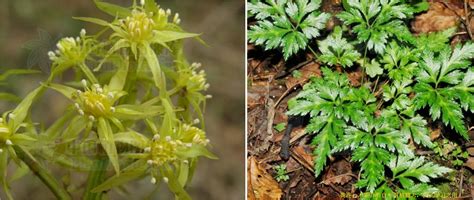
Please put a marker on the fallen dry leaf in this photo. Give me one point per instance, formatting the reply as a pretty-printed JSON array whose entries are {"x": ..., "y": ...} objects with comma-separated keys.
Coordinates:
[
  {"x": 438, "y": 18},
  {"x": 470, "y": 163},
  {"x": 260, "y": 184},
  {"x": 470, "y": 150},
  {"x": 309, "y": 70},
  {"x": 339, "y": 179},
  {"x": 434, "y": 134},
  {"x": 304, "y": 158}
]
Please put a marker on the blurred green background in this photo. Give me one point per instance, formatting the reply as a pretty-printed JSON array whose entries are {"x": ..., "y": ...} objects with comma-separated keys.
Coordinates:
[{"x": 30, "y": 28}]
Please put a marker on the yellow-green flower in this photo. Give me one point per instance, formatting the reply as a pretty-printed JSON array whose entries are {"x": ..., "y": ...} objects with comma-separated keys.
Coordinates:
[
  {"x": 95, "y": 101},
  {"x": 71, "y": 50}
]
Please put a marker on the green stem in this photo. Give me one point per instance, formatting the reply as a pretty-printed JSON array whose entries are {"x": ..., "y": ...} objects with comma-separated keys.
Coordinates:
[
  {"x": 96, "y": 177},
  {"x": 363, "y": 66},
  {"x": 314, "y": 53},
  {"x": 43, "y": 175}
]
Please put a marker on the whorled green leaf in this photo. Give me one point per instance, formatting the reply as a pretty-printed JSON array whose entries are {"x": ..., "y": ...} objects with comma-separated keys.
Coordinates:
[
  {"x": 196, "y": 151},
  {"x": 286, "y": 25},
  {"x": 112, "y": 9},
  {"x": 131, "y": 172},
  {"x": 22, "y": 110},
  {"x": 133, "y": 138},
  {"x": 106, "y": 137},
  {"x": 336, "y": 50}
]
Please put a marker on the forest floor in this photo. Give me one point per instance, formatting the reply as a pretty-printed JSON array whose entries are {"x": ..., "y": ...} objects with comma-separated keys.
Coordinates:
[{"x": 272, "y": 82}]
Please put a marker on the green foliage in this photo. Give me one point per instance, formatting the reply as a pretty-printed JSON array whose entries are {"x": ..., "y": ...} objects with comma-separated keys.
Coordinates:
[
  {"x": 280, "y": 127},
  {"x": 336, "y": 50},
  {"x": 451, "y": 152},
  {"x": 377, "y": 21},
  {"x": 281, "y": 174},
  {"x": 139, "y": 116},
  {"x": 286, "y": 24},
  {"x": 297, "y": 74},
  {"x": 445, "y": 84},
  {"x": 380, "y": 123},
  {"x": 332, "y": 104}
]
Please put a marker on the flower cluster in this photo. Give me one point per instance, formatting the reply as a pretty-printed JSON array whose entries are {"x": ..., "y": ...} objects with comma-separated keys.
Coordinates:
[
  {"x": 194, "y": 81},
  {"x": 71, "y": 50},
  {"x": 94, "y": 101},
  {"x": 139, "y": 26},
  {"x": 165, "y": 150},
  {"x": 5, "y": 134}
]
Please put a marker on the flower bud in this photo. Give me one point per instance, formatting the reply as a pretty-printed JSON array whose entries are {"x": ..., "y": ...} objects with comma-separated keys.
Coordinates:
[{"x": 83, "y": 32}]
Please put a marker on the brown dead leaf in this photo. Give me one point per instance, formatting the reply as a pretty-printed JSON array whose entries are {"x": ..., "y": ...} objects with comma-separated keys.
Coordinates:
[
  {"x": 304, "y": 158},
  {"x": 295, "y": 134},
  {"x": 354, "y": 78},
  {"x": 309, "y": 70},
  {"x": 434, "y": 134},
  {"x": 439, "y": 17},
  {"x": 470, "y": 163},
  {"x": 339, "y": 179},
  {"x": 260, "y": 184},
  {"x": 470, "y": 150}
]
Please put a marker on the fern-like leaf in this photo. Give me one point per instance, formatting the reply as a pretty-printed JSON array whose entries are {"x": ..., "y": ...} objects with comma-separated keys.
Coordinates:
[
  {"x": 286, "y": 24},
  {"x": 376, "y": 21},
  {"x": 337, "y": 51}
]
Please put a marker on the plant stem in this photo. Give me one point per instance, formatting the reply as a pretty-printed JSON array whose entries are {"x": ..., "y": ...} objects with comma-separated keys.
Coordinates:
[
  {"x": 96, "y": 177},
  {"x": 314, "y": 53},
  {"x": 363, "y": 66},
  {"x": 43, "y": 175}
]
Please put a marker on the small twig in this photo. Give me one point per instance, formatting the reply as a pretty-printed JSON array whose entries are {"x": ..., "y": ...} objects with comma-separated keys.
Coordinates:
[
  {"x": 283, "y": 96},
  {"x": 45, "y": 176},
  {"x": 294, "y": 68},
  {"x": 467, "y": 20},
  {"x": 461, "y": 182}
]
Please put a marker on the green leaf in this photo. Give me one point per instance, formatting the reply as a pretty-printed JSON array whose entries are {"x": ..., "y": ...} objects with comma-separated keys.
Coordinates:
[
  {"x": 154, "y": 65},
  {"x": 286, "y": 25},
  {"x": 375, "y": 22},
  {"x": 13, "y": 72},
  {"x": 372, "y": 166},
  {"x": 337, "y": 51},
  {"x": 112, "y": 9},
  {"x": 117, "y": 82},
  {"x": 183, "y": 174},
  {"x": 3, "y": 175},
  {"x": 416, "y": 127},
  {"x": 93, "y": 20},
  {"x": 373, "y": 68},
  {"x": 196, "y": 151},
  {"x": 136, "y": 112},
  {"x": 131, "y": 172},
  {"x": 106, "y": 138},
  {"x": 170, "y": 36},
  {"x": 22, "y": 110},
  {"x": 23, "y": 140},
  {"x": 394, "y": 142},
  {"x": 417, "y": 168},
  {"x": 173, "y": 183},
  {"x": 74, "y": 128},
  {"x": 9, "y": 97},
  {"x": 280, "y": 127},
  {"x": 133, "y": 138},
  {"x": 64, "y": 90}
]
